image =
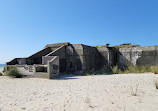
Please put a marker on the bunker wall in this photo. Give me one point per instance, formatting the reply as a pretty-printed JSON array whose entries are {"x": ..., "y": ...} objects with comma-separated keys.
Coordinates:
[
  {"x": 61, "y": 52},
  {"x": 139, "y": 55},
  {"x": 37, "y": 57}
]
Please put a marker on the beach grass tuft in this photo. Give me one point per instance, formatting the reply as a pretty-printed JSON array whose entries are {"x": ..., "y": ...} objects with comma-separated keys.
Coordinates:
[{"x": 13, "y": 72}]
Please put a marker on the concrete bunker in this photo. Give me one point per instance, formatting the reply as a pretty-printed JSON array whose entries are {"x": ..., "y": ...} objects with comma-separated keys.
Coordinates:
[{"x": 59, "y": 58}]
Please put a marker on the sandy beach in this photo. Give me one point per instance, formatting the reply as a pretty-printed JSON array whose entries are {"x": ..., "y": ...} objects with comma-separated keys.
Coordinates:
[{"x": 80, "y": 93}]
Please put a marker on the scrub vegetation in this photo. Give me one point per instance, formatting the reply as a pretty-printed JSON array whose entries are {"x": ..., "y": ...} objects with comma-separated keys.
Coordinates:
[
  {"x": 126, "y": 45},
  {"x": 13, "y": 72},
  {"x": 123, "y": 70},
  {"x": 4, "y": 70}
]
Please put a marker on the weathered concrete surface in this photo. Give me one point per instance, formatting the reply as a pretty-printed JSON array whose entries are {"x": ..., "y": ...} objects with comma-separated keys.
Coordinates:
[
  {"x": 46, "y": 59},
  {"x": 53, "y": 68},
  {"x": 147, "y": 55},
  {"x": 37, "y": 57},
  {"x": 23, "y": 69},
  {"x": 129, "y": 55},
  {"x": 56, "y": 44},
  {"x": 20, "y": 61}
]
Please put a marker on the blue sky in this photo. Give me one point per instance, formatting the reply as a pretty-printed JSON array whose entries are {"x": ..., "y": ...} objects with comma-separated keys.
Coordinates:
[{"x": 26, "y": 26}]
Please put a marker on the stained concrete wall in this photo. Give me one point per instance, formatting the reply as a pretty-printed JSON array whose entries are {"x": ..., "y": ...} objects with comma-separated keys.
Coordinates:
[
  {"x": 79, "y": 57},
  {"x": 105, "y": 55},
  {"x": 53, "y": 68},
  {"x": 61, "y": 52},
  {"x": 45, "y": 59},
  {"x": 20, "y": 61},
  {"x": 26, "y": 69},
  {"x": 70, "y": 59},
  {"x": 37, "y": 57},
  {"x": 129, "y": 55},
  {"x": 83, "y": 57},
  {"x": 91, "y": 58},
  {"x": 56, "y": 45},
  {"x": 147, "y": 55},
  {"x": 74, "y": 57},
  {"x": 23, "y": 69},
  {"x": 108, "y": 56},
  {"x": 30, "y": 70}
]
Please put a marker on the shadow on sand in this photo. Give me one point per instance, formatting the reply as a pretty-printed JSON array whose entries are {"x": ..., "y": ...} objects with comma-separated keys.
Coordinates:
[
  {"x": 68, "y": 77},
  {"x": 71, "y": 76}
]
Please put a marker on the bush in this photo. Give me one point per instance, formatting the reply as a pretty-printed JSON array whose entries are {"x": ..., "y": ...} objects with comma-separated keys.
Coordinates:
[
  {"x": 1, "y": 74},
  {"x": 13, "y": 72},
  {"x": 4, "y": 70},
  {"x": 115, "y": 70}
]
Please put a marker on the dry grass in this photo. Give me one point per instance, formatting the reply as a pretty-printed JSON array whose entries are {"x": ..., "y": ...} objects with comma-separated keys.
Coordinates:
[
  {"x": 124, "y": 70},
  {"x": 154, "y": 69},
  {"x": 126, "y": 45},
  {"x": 134, "y": 91}
]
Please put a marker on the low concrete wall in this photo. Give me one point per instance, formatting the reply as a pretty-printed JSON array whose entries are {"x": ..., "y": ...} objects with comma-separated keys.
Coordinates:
[
  {"x": 53, "y": 68},
  {"x": 23, "y": 69},
  {"x": 30, "y": 70}
]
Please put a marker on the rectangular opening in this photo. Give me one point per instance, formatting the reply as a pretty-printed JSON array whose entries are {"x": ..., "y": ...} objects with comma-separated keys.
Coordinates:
[{"x": 41, "y": 69}]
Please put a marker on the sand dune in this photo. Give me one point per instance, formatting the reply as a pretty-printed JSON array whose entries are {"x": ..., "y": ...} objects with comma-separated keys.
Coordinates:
[{"x": 80, "y": 93}]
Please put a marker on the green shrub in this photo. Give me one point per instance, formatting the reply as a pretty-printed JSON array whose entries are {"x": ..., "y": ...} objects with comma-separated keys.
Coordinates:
[
  {"x": 4, "y": 70},
  {"x": 1, "y": 74},
  {"x": 115, "y": 70},
  {"x": 13, "y": 72}
]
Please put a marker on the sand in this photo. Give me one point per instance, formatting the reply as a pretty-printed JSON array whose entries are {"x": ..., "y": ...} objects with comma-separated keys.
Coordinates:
[{"x": 80, "y": 93}]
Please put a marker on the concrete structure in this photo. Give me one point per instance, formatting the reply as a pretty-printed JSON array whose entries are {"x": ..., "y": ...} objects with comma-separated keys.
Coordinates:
[
  {"x": 147, "y": 55},
  {"x": 59, "y": 58}
]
